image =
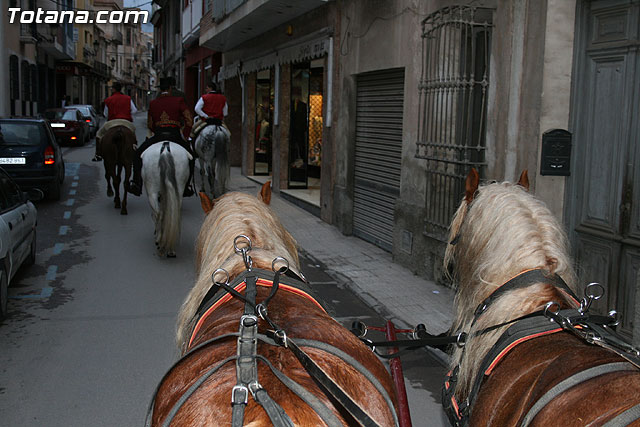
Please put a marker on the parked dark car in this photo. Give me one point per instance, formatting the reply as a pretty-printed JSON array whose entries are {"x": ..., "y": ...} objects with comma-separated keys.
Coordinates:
[
  {"x": 69, "y": 125},
  {"x": 90, "y": 116},
  {"x": 30, "y": 154},
  {"x": 18, "y": 219}
]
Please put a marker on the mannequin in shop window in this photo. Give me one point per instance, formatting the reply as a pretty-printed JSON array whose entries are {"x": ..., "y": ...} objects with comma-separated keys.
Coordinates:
[
  {"x": 298, "y": 129},
  {"x": 263, "y": 129}
]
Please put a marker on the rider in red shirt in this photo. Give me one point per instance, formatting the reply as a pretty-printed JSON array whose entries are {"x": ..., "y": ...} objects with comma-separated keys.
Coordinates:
[
  {"x": 117, "y": 106},
  {"x": 169, "y": 119},
  {"x": 212, "y": 106}
]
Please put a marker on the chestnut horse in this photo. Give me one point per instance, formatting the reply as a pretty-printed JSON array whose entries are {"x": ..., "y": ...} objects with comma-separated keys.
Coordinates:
[
  {"x": 512, "y": 268},
  {"x": 117, "y": 151},
  {"x": 185, "y": 398}
]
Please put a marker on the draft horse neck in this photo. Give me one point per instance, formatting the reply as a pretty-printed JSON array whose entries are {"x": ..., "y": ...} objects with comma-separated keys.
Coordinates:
[
  {"x": 247, "y": 358},
  {"x": 590, "y": 328}
]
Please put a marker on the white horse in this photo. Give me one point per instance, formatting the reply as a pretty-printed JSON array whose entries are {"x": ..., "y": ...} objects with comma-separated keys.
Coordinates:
[
  {"x": 212, "y": 148},
  {"x": 165, "y": 171}
]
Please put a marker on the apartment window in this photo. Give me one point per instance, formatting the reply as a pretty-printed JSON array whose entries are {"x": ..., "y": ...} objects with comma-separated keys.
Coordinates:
[
  {"x": 129, "y": 36},
  {"x": 453, "y": 100},
  {"x": 14, "y": 78},
  {"x": 26, "y": 79},
  {"x": 207, "y": 6}
]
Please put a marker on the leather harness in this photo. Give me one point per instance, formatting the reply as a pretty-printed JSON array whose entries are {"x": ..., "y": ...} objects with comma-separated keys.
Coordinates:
[
  {"x": 592, "y": 328},
  {"x": 247, "y": 358}
]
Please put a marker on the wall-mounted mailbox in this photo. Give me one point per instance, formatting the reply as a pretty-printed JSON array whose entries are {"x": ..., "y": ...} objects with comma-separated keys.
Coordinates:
[{"x": 556, "y": 152}]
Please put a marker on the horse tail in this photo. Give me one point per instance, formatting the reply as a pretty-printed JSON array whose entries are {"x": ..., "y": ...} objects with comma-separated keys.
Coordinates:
[
  {"x": 222, "y": 158},
  {"x": 170, "y": 202}
]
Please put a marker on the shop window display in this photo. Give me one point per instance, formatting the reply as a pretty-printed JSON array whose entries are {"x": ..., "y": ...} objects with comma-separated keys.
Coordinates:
[
  {"x": 263, "y": 127},
  {"x": 305, "y": 130}
]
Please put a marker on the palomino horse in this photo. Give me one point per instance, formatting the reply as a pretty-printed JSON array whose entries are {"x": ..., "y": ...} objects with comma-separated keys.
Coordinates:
[
  {"x": 117, "y": 152},
  {"x": 198, "y": 389},
  {"x": 212, "y": 149},
  {"x": 165, "y": 172},
  {"x": 514, "y": 273}
]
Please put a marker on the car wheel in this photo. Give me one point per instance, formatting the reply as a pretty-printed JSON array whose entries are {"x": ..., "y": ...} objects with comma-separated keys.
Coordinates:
[
  {"x": 4, "y": 294},
  {"x": 55, "y": 190},
  {"x": 31, "y": 258}
]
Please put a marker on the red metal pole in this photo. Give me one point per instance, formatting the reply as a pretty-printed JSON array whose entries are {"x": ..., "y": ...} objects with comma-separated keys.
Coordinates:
[{"x": 398, "y": 378}]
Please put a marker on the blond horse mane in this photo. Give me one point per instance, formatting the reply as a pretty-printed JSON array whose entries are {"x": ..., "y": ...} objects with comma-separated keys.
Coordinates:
[
  {"x": 501, "y": 232},
  {"x": 233, "y": 214}
]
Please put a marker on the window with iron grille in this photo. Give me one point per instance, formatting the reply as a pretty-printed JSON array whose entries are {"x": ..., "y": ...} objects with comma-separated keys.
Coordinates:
[{"x": 453, "y": 100}]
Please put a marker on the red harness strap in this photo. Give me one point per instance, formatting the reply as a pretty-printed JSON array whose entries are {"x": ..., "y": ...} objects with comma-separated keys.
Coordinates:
[{"x": 241, "y": 287}]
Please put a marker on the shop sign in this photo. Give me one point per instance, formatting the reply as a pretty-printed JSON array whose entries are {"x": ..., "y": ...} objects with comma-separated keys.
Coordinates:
[
  {"x": 66, "y": 69},
  {"x": 312, "y": 49}
]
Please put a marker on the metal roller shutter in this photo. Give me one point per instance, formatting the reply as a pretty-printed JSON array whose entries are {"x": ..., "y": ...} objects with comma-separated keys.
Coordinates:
[{"x": 379, "y": 107}]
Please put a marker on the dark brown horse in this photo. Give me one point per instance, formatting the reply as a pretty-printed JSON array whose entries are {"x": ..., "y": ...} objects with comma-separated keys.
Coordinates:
[
  {"x": 511, "y": 261},
  {"x": 302, "y": 318},
  {"x": 117, "y": 151}
]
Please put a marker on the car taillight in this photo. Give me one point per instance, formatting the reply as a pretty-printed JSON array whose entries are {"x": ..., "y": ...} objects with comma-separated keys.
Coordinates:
[
  {"x": 49, "y": 156},
  {"x": 88, "y": 120},
  {"x": 73, "y": 137}
]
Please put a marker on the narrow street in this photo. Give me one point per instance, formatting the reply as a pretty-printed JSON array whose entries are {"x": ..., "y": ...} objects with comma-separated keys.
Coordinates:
[{"x": 91, "y": 325}]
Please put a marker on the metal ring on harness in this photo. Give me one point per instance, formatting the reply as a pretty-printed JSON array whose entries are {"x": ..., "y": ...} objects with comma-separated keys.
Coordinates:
[
  {"x": 220, "y": 270},
  {"x": 244, "y": 251},
  {"x": 547, "y": 311},
  {"x": 461, "y": 339},
  {"x": 590, "y": 296},
  {"x": 235, "y": 243},
  {"x": 261, "y": 310},
  {"x": 280, "y": 270},
  {"x": 614, "y": 315}
]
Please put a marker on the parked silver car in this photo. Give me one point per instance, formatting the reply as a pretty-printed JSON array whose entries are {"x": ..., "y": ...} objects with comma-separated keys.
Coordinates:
[{"x": 18, "y": 219}]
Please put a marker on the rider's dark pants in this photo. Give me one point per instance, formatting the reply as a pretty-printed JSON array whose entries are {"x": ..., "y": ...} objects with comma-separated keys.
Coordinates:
[{"x": 162, "y": 134}]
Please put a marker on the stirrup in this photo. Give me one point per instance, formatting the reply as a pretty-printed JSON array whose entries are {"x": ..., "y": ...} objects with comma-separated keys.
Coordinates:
[
  {"x": 188, "y": 191},
  {"x": 134, "y": 188}
]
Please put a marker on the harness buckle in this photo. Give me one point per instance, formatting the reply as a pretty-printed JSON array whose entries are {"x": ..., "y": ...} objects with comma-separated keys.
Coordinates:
[
  {"x": 254, "y": 387},
  {"x": 239, "y": 395},
  {"x": 248, "y": 320},
  {"x": 280, "y": 337}
]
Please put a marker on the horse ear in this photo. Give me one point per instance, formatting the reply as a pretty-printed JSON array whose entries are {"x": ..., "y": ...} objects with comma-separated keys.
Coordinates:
[
  {"x": 524, "y": 180},
  {"x": 205, "y": 202},
  {"x": 265, "y": 193},
  {"x": 471, "y": 185}
]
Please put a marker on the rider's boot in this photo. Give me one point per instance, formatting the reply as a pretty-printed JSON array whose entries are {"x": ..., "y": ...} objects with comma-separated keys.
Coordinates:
[
  {"x": 97, "y": 157},
  {"x": 188, "y": 190},
  {"x": 135, "y": 186}
]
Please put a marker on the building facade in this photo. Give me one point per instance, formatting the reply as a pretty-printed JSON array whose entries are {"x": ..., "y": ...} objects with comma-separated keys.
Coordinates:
[
  {"x": 371, "y": 113},
  {"x": 32, "y": 52}
]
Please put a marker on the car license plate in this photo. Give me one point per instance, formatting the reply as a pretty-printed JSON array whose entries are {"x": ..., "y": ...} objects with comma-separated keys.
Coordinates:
[
  {"x": 57, "y": 125},
  {"x": 12, "y": 161}
]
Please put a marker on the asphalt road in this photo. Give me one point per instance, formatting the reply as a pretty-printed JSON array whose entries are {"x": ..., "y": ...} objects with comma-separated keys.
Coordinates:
[{"x": 91, "y": 325}]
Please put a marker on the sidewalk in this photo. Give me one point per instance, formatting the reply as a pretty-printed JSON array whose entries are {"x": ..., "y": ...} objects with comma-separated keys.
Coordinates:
[{"x": 392, "y": 290}]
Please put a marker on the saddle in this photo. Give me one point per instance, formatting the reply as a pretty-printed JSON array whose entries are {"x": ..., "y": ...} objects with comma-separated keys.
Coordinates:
[{"x": 195, "y": 131}]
